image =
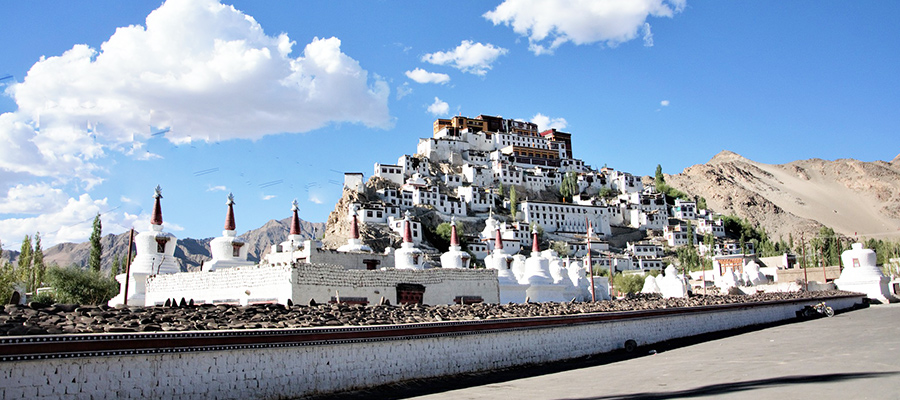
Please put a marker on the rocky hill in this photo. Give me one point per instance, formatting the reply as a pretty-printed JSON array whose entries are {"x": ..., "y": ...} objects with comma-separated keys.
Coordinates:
[
  {"x": 855, "y": 198},
  {"x": 190, "y": 252}
]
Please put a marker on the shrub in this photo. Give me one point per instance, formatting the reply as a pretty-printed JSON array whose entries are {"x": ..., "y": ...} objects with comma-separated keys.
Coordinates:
[{"x": 74, "y": 285}]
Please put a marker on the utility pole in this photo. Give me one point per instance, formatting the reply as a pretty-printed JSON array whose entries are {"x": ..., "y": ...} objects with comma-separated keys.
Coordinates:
[
  {"x": 128, "y": 266},
  {"x": 803, "y": 256}
]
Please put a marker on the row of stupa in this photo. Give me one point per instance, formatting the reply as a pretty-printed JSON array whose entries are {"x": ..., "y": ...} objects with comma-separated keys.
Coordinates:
[{"x": 541, "y": 277}]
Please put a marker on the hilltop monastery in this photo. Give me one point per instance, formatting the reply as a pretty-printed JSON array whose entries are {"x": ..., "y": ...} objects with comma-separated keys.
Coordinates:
[{"x": 458, "y": 174}]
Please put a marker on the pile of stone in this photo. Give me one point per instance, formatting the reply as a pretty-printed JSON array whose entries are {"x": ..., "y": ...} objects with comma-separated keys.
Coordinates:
[{"x": 42, "y": 319}]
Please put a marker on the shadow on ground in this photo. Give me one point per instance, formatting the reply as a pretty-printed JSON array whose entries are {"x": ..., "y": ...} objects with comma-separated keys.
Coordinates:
[{"x": 731, "y": 387}]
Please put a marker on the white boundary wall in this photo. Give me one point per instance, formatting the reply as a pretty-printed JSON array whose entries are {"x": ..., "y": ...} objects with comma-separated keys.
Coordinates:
[{"x": 289, "y": 372}]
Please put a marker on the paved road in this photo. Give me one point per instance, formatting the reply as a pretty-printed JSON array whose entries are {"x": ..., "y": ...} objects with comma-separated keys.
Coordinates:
[{"x": 854, "y": 355}]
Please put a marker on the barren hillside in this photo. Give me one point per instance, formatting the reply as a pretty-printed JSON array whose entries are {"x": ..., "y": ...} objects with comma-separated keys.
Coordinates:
[{"x": 855, "y": 198}]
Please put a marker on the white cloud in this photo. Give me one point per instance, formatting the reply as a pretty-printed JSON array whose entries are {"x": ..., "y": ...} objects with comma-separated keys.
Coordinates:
[
  {"x": 474, "y": 58},
  {"x": 314, "y": 198},
  {"x": 268, "y": 197},
  {"x": 544, "y": 122},
  {"x": 439, "y": 107},
  {"x": 403, "y": 90},
  {"x": 219, "y": 188},
  {"x": 422, "y": 76},
  {"x": 550, "y": 23},
  {"x": 70, "y": 223},
  {"x": 32, "y": 199},
  {"x": 205, "y": 70},
  {"x": 664, "y": 103},
  {"x": 648, "y": 35}
]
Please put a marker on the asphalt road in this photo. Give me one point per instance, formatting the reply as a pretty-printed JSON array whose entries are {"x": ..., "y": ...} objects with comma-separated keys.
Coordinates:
[{"x": 854, "y": 355}]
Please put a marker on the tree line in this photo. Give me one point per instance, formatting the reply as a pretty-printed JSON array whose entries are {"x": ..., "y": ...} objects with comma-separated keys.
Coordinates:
[{"x": 71, "y": 285}]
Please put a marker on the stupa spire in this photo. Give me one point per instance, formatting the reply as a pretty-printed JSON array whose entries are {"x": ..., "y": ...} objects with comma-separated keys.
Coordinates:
[
  {"x": 354, "y": 227},
  {"x": 229, "y": 219},
  {"x": 535, "y": 248},
  {"x": 498, "y": 240},
  {"x": 156, "y": 218},
  {"x": 454, "y": 240},
  {"x": 295, "y": 219},
  {"x": 407, "y": 231}
]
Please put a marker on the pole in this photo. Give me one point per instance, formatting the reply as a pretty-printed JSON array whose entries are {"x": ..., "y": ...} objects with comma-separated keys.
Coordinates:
[
  {"x": 803, "y": 256},
  {"x": 128, "y": 266},
  {"x": 824, "y": 264},
  {"x": 590, "y": 266}
]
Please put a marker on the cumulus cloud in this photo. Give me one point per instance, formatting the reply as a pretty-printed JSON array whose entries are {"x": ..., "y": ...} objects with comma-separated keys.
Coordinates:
[
  {"x": 70, "y": 223},
  {"x": 664, "y": 103},
  {"x": 422, "y": 76},
  {"x": 439, "y": 107},
  {"x": 199, "y": 68},
  {"x": 314, "y": 198},
  {"x": 470, "y": 57},
  {"x": 31, "y": 199},
  {"x": 551, "y": 23},
  {"x": 544, "y": 122}
]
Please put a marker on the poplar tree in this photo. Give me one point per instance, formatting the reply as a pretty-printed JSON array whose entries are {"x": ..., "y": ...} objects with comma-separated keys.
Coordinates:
[
  {"x": 37, "y": 262},
  {"x": 96, "y": 249},
  {"x": 24, "y": 271},
  {"x": 513, "y": 199},
  {"x": 115, "y": 267}
]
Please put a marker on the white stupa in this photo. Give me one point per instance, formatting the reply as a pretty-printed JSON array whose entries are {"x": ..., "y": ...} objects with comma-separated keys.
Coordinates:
[
  {"x": 294, "y": 239},
  {"x": 408, "y": 256},
  {"x": 354, "y": 243},
  {"x": 650, "y": 285},
  {"x": 510, "y": 289},
  {"x": 670, "y": 284},
  {"x": 455, "y": 257},
  {"x": 155, "y": 255},
  {"x": 227, "y": 250},
  {"x": 861, "y": 274},
  {"x": 541, "y": 287},
  {"x": 754, "y": 276}
]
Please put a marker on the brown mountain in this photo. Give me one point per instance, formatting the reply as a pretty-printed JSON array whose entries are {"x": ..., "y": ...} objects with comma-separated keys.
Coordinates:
[
  {"x": 855, "y": 198},
  {"x": 190, "y": 252}
]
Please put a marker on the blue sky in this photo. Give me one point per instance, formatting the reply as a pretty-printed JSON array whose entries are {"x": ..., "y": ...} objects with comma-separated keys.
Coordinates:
[{"x": 203, "y": 100}]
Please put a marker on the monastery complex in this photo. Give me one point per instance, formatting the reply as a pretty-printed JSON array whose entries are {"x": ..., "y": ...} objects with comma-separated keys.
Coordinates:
[{"x": 498, "y": 184}]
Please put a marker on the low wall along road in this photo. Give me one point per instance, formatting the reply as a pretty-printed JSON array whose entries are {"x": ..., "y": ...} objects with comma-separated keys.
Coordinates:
[{"x": 242, "y": 364}]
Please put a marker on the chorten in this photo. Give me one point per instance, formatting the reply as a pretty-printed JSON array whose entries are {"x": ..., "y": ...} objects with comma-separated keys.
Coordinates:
[
  {"x": 155, "y": 255},
  {"x": 861, "y": 274},
  {"x": 541, "y": 287},
  {"x": 227, "y": 250},
  {"x": 510, "y": 289},
  {"x": 354, "y": 244},
  {"x": 294, "y": 239},
  {"x": 408, "y": 256},
  {"x": 455, "y": 257}
]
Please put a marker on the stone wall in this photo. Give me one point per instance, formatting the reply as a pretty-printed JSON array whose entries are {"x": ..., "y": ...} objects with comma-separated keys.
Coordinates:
[{"x": 282, "y": 370}]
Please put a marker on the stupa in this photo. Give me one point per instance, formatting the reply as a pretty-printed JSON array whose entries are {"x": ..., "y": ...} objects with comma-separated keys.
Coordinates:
[
  {"x": 510, "y": 289},
  {"x": 227, "y": 250},
  {"x": 354, "y": 243},
  {"x": 155, "y": 255},
  {"x": 541, "y": 287},
  {"x": 408, "y": 256},
  {"x": 455, "y": 257},
  {"x": 861, "y": 274}
]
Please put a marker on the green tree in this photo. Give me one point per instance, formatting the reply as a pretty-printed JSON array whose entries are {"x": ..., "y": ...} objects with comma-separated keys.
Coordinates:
[
  {"x": 96, "y": 249},
  {"x": 116, "y": 266},
  {"x": 513, "y": 201},
  {"x": 37, "y": 262},
  {"x": 606, "y": 192},
  {"x": 631, "y": 283},
  {"x": 568, "y": 187},
  {"x": 561, "y": 248},
  {"x": 701, "y": 203},
  {"x": 659, "y": 178},
  {"x": 24, "y": 270},
  {"x": 7, "y": 278},
  {"x": 74, "y": 285}
]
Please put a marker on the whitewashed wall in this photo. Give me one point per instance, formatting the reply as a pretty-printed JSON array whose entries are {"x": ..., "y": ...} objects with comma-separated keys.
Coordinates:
[{"x": 289, "y": 372}]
